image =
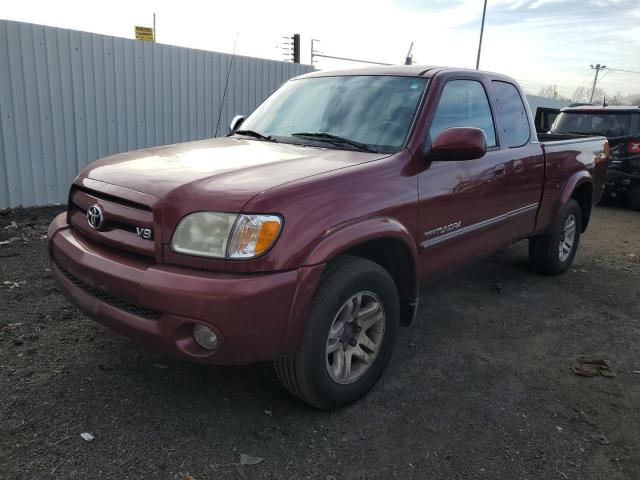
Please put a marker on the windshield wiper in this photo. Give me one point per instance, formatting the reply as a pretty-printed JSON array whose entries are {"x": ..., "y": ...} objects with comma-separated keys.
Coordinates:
[
  {"x": 334, "y": 139},
  {"x": 254, "y": 134}
]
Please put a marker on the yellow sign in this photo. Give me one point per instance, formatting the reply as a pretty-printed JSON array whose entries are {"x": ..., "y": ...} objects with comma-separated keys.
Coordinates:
[{"x": 144, "y": 33}]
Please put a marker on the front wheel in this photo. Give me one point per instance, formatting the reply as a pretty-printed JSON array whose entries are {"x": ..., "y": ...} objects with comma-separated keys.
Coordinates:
[
  {"x": 348, "y": 338},
  {"x": 552, "y": 253}
]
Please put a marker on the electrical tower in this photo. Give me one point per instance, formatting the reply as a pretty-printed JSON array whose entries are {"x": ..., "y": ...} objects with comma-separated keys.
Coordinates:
[{"x": 291, "y": 47}]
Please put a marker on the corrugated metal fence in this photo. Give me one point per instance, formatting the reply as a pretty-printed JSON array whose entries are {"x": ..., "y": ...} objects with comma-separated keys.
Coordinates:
[{"x": 70, "y": 97}]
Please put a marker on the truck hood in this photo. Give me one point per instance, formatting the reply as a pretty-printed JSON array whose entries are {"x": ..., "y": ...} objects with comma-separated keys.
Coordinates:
[{"x": 226, "y": 172}]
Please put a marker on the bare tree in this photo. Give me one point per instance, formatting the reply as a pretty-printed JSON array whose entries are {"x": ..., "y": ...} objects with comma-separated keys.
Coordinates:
[
  {"x": 548, "y": 91},
  {"x": 632, "y": 99},
  {"x": 583, "y": 95}
]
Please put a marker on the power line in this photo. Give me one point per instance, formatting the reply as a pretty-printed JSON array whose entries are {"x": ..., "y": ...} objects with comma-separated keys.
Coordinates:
[
  {"x": 540, "y": 87},
  {"x": 584, "y": 80},
  {"x": 626, "y": 71},
  {"x": 605, "y": 74},
  {"x": 349, "y": 59},
  {"x": 534, "y": 83},
  {"x": 535, "y": 87}
]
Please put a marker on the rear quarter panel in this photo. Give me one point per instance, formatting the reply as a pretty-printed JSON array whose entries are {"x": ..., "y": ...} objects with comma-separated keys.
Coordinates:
[{"x": 569, "y": 164}]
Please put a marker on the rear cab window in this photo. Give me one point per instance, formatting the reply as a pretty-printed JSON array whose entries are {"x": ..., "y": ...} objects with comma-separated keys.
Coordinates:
[
  {"x": 463, "y": 103},
  {"x": 513, "y": 114}
]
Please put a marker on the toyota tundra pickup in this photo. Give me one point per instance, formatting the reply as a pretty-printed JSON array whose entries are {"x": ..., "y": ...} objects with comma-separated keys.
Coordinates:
[{"x": 305, "y": 235}]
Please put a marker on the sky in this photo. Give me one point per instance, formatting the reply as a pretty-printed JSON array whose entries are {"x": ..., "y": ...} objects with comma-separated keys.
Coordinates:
[{"x": 539, "y": 42}]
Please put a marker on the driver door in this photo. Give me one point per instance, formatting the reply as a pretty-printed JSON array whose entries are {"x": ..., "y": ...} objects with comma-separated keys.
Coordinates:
[{"x": 461, "y": 203}]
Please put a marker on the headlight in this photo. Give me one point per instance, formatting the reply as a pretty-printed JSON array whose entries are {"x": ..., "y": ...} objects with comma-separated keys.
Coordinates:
[
  {"x": 225, "y": 235},
  {"x": 253, "y": 235}
]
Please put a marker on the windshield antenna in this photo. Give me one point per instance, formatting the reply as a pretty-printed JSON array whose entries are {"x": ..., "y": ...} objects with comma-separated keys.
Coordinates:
[{"x": 226, "y": 84}]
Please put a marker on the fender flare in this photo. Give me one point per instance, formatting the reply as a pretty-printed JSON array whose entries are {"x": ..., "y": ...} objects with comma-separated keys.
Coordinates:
[
  {"x": 336, "y": 241},
  {"x": 575, "y": 181},
  {"x": 342, "y": 238},
  {"x": 345, "y": 237}
]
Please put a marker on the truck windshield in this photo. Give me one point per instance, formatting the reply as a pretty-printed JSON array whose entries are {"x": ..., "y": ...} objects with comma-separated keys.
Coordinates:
[
  {"x": 609, "y": 124},
  {"x": 361, "y": 112}
]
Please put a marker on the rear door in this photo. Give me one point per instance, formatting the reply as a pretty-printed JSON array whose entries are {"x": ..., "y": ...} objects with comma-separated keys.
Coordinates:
[{"x": 523, "y": 159}]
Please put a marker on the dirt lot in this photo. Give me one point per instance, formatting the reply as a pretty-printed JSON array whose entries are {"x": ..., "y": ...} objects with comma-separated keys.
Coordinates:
[{"x": 479, "y": 387}]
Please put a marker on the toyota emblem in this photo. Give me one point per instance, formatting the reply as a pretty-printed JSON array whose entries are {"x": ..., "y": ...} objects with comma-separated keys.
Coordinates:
[{"x": 95, "y": 216}]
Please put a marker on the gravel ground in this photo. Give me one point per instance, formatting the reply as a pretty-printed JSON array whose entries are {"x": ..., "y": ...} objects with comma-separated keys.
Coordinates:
[{"x": 480, "y": 386}]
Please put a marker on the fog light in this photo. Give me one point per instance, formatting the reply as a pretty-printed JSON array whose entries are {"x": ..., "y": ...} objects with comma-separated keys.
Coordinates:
[
  {"x": 626, "y": 181},
  {"x": 205, "y": 337}
]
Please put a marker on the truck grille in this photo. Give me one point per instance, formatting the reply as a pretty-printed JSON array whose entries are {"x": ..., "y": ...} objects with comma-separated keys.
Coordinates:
[
  {"x": 121, "y": 219},
  {"x": 104, "y": 297}
]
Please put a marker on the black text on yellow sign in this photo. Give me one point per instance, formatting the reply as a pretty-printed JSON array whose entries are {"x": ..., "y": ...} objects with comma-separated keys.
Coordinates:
[{"x": 144, "y": 33}]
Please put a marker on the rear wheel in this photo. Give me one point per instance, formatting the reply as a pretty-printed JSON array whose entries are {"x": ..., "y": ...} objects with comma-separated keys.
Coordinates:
[
  {"x": 552, "y": 253},
  {"x": 349, "y": 336}
]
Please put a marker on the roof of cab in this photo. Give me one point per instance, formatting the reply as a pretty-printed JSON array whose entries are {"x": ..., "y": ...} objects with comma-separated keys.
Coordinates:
[
  {"x": 603, "y": 108},
  {"x": 397, "y": 70},
  {"x": 402, "y": 71}
]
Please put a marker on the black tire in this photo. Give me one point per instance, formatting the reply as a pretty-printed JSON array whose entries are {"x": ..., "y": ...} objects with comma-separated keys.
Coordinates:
[
  {"x": 305, "y": 372},
  {"x": 544, "y": 250}
]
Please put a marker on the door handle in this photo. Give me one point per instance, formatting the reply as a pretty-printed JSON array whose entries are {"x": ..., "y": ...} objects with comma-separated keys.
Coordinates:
[
  {"x": 499, "y": 169},
  {"x": 518, "y": 166}
]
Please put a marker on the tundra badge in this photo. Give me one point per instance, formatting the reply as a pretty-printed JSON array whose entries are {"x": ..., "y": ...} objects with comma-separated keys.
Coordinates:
[{"x": 442, "y": 230}]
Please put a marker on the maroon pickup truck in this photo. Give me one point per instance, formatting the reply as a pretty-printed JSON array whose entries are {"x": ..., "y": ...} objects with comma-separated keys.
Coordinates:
[{"x": 305, "y": 235}]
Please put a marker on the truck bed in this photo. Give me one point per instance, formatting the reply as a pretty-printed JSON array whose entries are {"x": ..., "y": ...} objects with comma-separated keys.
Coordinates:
[
  {"x": 565, "y": 157},
  {"x": 560, "y": 137}
]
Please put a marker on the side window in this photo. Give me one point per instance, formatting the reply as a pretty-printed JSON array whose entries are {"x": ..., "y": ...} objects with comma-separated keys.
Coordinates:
[
  {"x": 513, "y": 115},
  {"x": 463, "y": 103}
]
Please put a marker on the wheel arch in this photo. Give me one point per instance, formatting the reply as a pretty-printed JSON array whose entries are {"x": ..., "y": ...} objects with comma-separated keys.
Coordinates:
[
  {"x": 583, "y": 194},
  {"x": 384, "y": 241},
  {"x": 580, "y": 188}
]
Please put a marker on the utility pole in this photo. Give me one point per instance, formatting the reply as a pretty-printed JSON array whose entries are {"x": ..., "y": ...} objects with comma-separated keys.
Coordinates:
[
  {"x": 296, "y": 48},
  {"x": 313, "y": 50},
  {"x": 154, "y": 27},
  {"x": 484, "y": 12},
  {"x": 409, "y": 58},
  {"x": 597, "y": 68},
  {"x": 291, "y": 48}
]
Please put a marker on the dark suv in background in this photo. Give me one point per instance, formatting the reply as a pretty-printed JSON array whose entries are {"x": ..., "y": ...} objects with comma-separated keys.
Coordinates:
[{"x": 621, "y": 126}]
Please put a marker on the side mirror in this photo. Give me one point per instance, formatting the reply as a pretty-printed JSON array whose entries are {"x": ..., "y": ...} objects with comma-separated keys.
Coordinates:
[
  {"x": 459, "y": 143},
  {"x": 235, "y": 123}
]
